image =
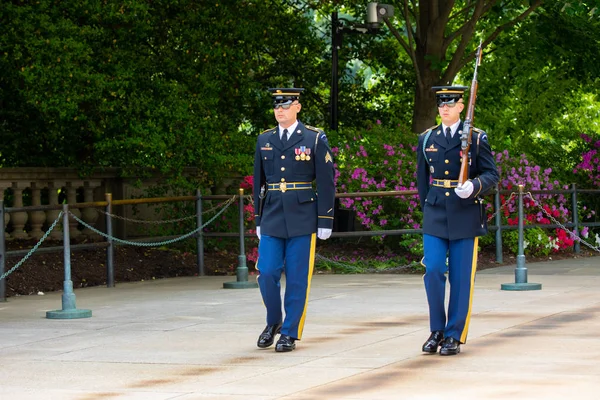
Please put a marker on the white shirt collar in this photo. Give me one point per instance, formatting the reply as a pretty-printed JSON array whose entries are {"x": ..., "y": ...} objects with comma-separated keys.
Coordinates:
[
  {"x": 453, "y": 127},
  {"x": 291, "y": 130}
]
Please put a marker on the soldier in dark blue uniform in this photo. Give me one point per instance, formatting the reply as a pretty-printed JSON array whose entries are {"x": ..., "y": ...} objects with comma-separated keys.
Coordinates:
[
  {"x": 453, "y": 218},
  {"x": 294, "y": 194}
]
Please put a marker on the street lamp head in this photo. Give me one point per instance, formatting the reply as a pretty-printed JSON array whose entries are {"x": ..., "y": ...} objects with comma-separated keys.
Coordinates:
[{"x": 376, "y": 13}]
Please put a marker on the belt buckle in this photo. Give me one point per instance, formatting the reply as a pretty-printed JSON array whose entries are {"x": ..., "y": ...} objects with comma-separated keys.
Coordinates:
[
  {"x": 447, "y": 183},
  {"x": 283, "y": 186}
]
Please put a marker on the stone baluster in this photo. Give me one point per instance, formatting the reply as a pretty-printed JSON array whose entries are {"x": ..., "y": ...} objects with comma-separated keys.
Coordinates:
[
  {"x": 36, "y": 218},
  {"x": 3, "y": 186},
  {"x": 90, "y": 214},
  {"x": 19, "y": 218},
  {"x": 71, "y": 200},
  {"x": 51, "y": 215}
]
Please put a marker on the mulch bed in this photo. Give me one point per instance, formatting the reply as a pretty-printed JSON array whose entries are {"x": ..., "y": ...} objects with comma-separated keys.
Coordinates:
[{"x": 44, "y": 272}]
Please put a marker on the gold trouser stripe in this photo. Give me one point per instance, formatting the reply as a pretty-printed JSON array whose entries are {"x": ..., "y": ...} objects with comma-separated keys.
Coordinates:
[
  {"x": 257, "y": 278},
  {"x": 463, "y": 337},
  {"x": 311, "y": 266}
]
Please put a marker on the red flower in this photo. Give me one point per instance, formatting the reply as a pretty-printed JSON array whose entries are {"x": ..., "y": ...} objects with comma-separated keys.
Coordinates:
[{"x": 247, "y": 183}]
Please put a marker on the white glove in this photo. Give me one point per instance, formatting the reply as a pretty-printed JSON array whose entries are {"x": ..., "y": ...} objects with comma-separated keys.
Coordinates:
[
  {"x": 465, "y": 190},
  {"x": 258, "y": 232},
  {"x": 323, "y": 233}
]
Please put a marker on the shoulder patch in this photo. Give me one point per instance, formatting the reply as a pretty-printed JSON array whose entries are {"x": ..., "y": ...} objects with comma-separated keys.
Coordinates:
[
  {"x": 320, "y": 133},
  {"x": 481, "y": 135},
  {"x": 323, "y": 138}
]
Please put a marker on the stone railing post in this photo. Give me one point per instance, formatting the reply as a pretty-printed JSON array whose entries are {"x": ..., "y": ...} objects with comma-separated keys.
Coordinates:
[
  {"x": 89, "y": 214},
  {"x": 36, "y": 218},
  {"x": 51, "y": 215},
  {"x": 3, "y": 187},
  {"x": 19, "y": 218},
  {"x": 72, "y": 199}
]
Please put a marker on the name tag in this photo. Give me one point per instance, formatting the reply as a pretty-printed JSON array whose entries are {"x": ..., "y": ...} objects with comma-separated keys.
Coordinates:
[
  {"x": 431, "y": 149},
  {"x": 266, "y": 148}
]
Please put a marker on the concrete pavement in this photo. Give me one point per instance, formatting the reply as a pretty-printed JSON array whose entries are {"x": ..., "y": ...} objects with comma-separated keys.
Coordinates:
[{"x": 188, "y": 338}]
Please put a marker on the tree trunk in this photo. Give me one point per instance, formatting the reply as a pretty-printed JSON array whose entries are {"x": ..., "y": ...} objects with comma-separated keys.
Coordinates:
[{"x": 424, "y": 111}]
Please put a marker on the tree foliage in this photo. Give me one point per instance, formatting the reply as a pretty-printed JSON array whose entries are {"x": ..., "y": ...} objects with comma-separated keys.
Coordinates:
[
  {"x": 147, "y": 85},
  {"x": 158, "y": 86},
  {"x": 438, "y": 38},
  {"x": 539, "y": 89}
]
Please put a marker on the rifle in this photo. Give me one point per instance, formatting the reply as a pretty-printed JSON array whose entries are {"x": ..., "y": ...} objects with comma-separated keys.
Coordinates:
[{"x": 466, "y": 136}]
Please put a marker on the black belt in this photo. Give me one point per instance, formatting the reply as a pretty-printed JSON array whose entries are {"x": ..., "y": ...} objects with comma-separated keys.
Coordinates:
[
  {"x": 284, "y": 186},
  {"x": 445, "y": 183}
]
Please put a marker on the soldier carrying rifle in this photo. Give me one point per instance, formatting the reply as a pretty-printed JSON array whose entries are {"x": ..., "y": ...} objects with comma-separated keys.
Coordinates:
[{"x": 455, "y": 166}]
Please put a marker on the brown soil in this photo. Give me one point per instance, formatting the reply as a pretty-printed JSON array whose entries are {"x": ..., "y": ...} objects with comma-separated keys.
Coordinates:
[{"x": 44, "y": 272}]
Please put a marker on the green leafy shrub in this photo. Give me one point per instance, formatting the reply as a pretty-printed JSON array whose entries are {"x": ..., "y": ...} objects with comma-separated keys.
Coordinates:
[{"x": 535, "y": 242}]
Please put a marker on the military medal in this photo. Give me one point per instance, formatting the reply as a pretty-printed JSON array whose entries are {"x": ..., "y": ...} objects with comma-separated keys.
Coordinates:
[
  {"x": 302, "y": 153},
  {"x": 307, "y": 154},
  {"x": 297, "y": 151}
]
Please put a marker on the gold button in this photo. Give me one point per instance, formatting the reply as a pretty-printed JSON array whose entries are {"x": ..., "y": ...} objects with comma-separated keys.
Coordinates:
[
  {"x": 311, "y": 199},
  {"x": 446, "y": 172},
  {"x": 282, "y": 179},
  {"x": 282, "y": 157},
  {"x": 265, "y": 158},
  {"x": 283, "y": 168},
  {"x": 429, "y": 159},
  {"x": 447, "y": 194},
  {"x": 475, "y": 201},
  {"x": 447, "y": 161}
]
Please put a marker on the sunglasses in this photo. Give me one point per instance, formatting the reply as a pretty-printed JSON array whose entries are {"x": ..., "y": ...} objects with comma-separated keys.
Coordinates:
[
  {"x": 284, "y": 106},
  {"x": 450, "y": 105}
]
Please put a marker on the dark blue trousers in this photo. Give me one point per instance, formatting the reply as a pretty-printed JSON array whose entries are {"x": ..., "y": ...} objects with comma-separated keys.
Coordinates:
[
  {"x": 295, "y": 257},
  {"x": 462, "y": 265}
]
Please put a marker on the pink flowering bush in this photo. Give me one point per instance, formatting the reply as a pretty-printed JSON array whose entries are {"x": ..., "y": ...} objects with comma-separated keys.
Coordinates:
[
  {"x": 589, "y": 166},
  {"x": 537, "y": 208},
  {"x": 379, "y": 160}
]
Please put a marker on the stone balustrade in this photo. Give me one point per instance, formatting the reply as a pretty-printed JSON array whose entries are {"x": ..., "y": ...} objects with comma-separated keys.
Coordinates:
[{"x": 41, "y": 186}]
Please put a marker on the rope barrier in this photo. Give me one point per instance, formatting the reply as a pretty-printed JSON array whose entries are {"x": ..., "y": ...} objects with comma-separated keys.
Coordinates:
[{"x": 153, "y": 244}]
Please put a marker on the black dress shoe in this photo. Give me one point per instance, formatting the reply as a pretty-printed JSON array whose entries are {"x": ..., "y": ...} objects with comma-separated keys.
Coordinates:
[
  {"x": 450, "y": 347},
  {"x": 431, "y": 345},
  {"x": 267, "y": 337},
  {"x": 285, "y": 343}
]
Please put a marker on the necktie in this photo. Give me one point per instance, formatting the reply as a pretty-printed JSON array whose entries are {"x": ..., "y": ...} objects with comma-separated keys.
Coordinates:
[
  {"x": 284, "y": 137},
  {"x": 448, "y": 134}
]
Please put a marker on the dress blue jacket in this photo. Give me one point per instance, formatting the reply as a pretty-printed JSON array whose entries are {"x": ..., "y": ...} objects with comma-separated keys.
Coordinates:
[
  {"x": 306, "y": 159},
  {"x": 446, "y": 215}
]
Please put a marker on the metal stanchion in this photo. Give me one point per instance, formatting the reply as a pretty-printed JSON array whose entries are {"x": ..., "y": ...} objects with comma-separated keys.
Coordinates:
[
  {"x": 576, "y": 245},
  {"x": 200, "y": 234},
  {"x": 110, "y": 249},
  {"x": 521, "y": 271},
  {"x": 2, "y": 253},
  {"x": 497, "y": 207},
  {"x": 242, "y": 269},
  {"x": 69, "y": 310}
]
